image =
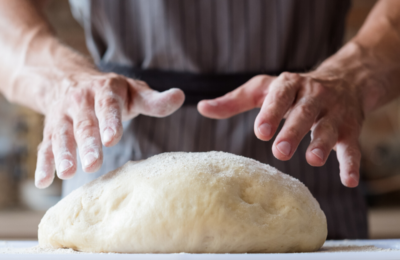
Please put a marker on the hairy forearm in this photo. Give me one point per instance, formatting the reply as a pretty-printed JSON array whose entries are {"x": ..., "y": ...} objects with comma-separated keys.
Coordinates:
[
  {"x": 34, "y": 66},
  {"x": 370, "y": 62}
]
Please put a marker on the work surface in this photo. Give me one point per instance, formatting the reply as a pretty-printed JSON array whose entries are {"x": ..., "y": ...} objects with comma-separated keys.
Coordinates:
[{"x": 346, "y": 249}]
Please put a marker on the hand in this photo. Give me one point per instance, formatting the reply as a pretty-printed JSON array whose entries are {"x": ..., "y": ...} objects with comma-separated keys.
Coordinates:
[
  {"x": 86, "y": 111},
  {"x": 326, "y": 105}
]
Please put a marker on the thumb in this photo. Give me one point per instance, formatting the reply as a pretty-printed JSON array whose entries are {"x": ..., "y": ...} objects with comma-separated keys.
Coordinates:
[
  {"x": 244, "y": 98},
  {"x": 147, "y": 101}
]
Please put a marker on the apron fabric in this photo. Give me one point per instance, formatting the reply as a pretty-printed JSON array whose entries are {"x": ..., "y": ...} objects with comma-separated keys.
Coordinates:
[
  {"x": 207, "y": 48},
  {"x": 212, "y": 36},
  {"x": 186, "y": 130}
]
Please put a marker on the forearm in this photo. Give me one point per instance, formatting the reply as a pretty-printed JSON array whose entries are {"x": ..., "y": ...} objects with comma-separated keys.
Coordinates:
[
  {"x": 34, "y": 64},
  {"x": 370, "y": 62}
]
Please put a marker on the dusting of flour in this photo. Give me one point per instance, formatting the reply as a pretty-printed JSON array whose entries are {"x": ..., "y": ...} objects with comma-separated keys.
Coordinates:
[{"x": 324, "y": 249}]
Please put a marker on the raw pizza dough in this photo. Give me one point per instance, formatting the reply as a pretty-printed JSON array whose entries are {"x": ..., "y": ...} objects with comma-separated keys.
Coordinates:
[{"x": 211, "y": 202}]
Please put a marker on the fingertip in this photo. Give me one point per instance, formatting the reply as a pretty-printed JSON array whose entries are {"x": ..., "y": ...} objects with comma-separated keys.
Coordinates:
[
  {"x": 178, "y": 93},
  {"x": 176, "y": 96},
  {"x": 202, "y": 105},
  {"x": 315, "y": 157},
  {"x": 42, "y": 179},
  {"x": 161, "y": 104},
  {"x": 349, "y": 156},
  {"x": 66, "y": 170},
  {"x": 210, "y": 108},
  {"x": 282, "y": 151},
  {"x": 66, "y": 175},
  {"x": 263, "y": 131},
  {"x": 90, "y": 153},
  {"x": 91, "y": 162},
  {"x": 110, "y": 136},
  {"x": 351, "y": 180}
]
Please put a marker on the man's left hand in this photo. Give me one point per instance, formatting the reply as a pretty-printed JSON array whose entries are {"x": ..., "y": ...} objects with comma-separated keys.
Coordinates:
[{"x": 328, "y": 106}]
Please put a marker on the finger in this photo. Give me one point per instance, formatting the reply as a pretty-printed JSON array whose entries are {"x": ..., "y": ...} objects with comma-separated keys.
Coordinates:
[
  {"x": 149, "y": 102},
  {"x": 349, "y": 156},
  {"x": 45, "y": 168},
  {"x": 108, "y": 106},
  {"x": 86, "y": 131},
  {"x": 323, "y": 138},
  {"x": 64, "y": 149},
  {"x": 280, "y": 98},
  {"x": 297, "y": 125},
  {"x": 244, "y": 98}
]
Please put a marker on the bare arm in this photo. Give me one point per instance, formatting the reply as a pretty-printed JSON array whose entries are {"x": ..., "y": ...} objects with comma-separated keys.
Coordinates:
[
  {"x": 330, "y": 101},
  {"x": 83, "y": 107},
  {"x": 371, "y": 60}
]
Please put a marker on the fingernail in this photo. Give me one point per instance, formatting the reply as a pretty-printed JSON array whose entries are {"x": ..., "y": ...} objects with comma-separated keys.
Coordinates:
[
  {"x": 354, "y": 177},
  {"x": 89, "y": 159},
  {"x": 284, "y": 148},
  {"x": 319, "y": 153},
  {"x": 265, "y": 129},
  {"x": 39, "y": 177},
  {"x": 64, "y": 165},
  {"x": 212, "y": 103},
  {"x": 108, "y": 135}
]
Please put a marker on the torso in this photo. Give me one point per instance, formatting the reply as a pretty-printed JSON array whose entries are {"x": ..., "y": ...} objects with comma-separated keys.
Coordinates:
[{"x": 220, "y": 37}]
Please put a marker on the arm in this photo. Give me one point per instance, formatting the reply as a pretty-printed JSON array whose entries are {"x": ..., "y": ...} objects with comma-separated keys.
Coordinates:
[
  {"x": 331, "y": 101},
  {"x": 82, "y": 106},
  {"x": 371, "y": 60}
]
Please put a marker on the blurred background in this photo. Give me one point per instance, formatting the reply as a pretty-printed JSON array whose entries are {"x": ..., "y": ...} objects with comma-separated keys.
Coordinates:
[{"x": 22, "y": 205}]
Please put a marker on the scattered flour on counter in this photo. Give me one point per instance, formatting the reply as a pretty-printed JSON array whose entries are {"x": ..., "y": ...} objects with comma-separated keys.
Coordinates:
[
  {"x": 40, "y": 250},
  {"x": 352, "y": 248},
  {"x": 37, "y": 250},
  {"x": 324, "y": 249}
]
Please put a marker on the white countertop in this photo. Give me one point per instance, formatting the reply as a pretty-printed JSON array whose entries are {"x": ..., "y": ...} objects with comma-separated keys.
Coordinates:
[{"x": 349, "y": 249}]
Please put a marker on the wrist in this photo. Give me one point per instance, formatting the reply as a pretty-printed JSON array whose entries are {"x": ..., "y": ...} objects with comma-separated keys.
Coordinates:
[
  {"x": 357, "y": 66},
  {"x": 42, "y": 71}
]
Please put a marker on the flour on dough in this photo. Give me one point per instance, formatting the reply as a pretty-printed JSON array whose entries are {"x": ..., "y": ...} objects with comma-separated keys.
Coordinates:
[{"x": 210, "y": 202}]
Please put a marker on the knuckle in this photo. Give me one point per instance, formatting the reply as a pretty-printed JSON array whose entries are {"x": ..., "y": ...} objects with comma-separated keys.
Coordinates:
[
  {"x": 325, "y": 145},
  {"x": 285, "y": 75},
  {"x": 319, "y": 89},
  {"x": 45, "y": 148},
  {"x": 112, "y": 75},
  {"x": 113, "y": 81},
  {"x": 107, "y": 101},
  {"x": 261, "y": 79},
  {"x": 111, "y": 86},
  {"x": 271, "y": 114},
  {"x": 84, "y": 126},
  {"x": 282, "y": 97},
  {"x": 62, "y": 128},
  {"x": 356, "y": 129},
  {"x": 79, "y": 95},
  {"x": 138, "y": 85},
  {"x": 289, "y": 76},
  {"x": 47, "y": 131},
  {"x": 293, "y": 133},
  {"x": 109, "y": 80},
  {"x": 325, "y": 141},
  {"x": 328, "y": 129},
  {"x": 354, "y": 152},
  {"x": 351, "y": 126},
  {"x": 307, "y": 111},
  {"x": 141, "y": 83}
]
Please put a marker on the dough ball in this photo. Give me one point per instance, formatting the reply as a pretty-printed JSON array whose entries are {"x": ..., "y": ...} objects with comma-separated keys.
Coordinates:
[{"x": 211, "y": 202}]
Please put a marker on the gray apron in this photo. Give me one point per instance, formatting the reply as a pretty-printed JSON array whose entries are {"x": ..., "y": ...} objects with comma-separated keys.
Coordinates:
[{"x": 224, "y": 37}]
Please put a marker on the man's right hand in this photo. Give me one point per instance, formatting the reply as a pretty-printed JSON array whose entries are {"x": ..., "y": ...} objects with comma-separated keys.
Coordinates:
[
  {"x": 83, "y": 107},
  {"x": 86, "y": 112}
]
